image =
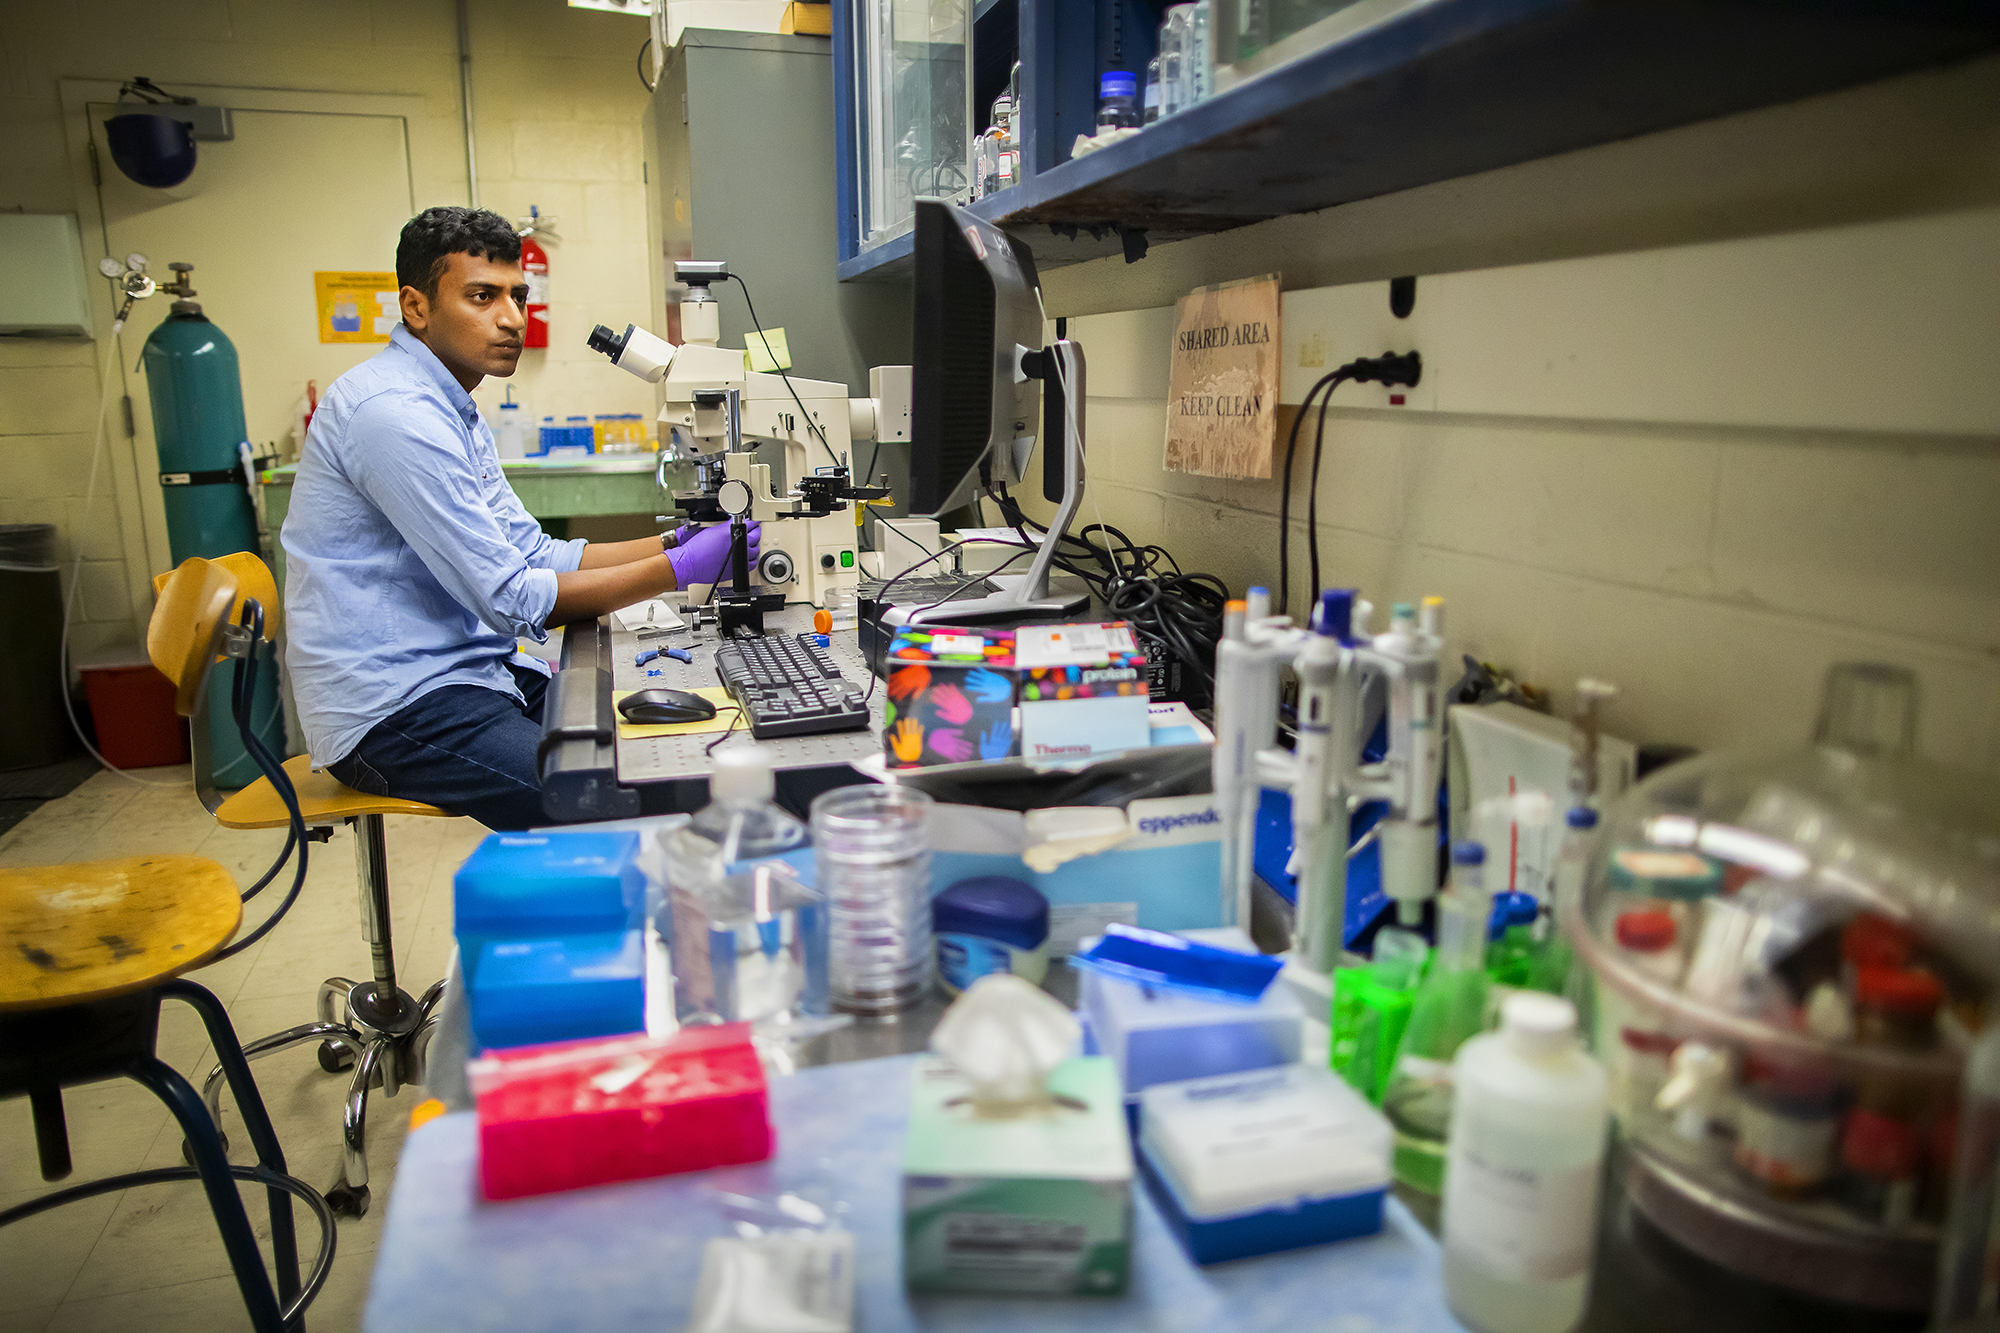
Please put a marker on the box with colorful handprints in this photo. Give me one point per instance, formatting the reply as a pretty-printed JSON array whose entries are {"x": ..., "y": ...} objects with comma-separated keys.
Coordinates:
[
  {"x": 1083, "y": 690},
  {"x": 951, "y": 696}
]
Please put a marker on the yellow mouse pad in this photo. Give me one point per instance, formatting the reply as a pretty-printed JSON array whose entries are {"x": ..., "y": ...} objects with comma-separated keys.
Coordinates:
[{"x": 725, "y": 713}]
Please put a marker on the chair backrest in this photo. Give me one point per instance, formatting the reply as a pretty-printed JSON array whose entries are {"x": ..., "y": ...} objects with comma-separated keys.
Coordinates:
[
  {"x": 184, "y": 637},
  {"x": 252, "y": 579}
]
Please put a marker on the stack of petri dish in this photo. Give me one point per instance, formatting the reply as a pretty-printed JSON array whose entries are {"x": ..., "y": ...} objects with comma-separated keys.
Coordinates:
[{"x": 872, "y": 847}]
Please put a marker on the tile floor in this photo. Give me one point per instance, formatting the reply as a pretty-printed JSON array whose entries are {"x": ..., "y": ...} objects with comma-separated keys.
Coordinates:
[{"x": 150, "y": 1258}]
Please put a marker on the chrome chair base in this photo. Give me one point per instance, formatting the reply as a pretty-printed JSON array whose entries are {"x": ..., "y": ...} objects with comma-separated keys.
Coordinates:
[{"x": 373, "y": 1027}]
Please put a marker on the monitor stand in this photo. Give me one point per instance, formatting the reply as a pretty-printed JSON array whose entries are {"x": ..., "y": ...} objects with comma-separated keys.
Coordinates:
[{"x": 1023, "y": 597}]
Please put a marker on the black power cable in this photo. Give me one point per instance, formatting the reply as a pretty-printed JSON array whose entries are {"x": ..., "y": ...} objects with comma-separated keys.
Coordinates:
[
  {"x": 881, "y": 594},
  {"x": 1392, "y": 369},
  {"x": 811, "y": 425},
  {"x": 1140, "y": 584},
  {"x": 240, "y": 691}
]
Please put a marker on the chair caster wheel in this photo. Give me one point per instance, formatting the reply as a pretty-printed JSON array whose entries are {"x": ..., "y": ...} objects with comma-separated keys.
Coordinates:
[
  {"x": 333, "y": 1059},
  {"x": 187, "y": 1149},
  {"x": 348, "y": 1200}
]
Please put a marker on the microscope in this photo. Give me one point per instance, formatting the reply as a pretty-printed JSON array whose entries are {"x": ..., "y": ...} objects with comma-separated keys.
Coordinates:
[{"x": 723, "y": 411}]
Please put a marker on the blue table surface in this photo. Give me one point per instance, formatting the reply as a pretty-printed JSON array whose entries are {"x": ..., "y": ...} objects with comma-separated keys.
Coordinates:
[{"x": 626, "y": 1256}]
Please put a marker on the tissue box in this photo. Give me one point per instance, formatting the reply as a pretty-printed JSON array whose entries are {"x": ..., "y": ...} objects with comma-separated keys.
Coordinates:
[
  {"x": 1039, "y": 1204},
  {"x": 587, "y": 1113},
  {"x": 1273, "y": 1160},
  {"x": 527, "y": 992},
  {"x": 1153, "y": 1034},
  {"x": 1083, "y": 690},
  {"x": 951, "y": 696},
  {"x": 538, "y": 886}
]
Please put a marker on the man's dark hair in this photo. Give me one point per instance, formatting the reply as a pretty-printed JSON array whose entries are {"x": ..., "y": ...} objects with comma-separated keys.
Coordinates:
[{"x": 433, "y": 236}]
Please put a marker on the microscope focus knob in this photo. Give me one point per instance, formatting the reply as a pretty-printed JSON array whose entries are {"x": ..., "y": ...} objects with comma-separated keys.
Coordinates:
[{"x": 776, "y": 567}]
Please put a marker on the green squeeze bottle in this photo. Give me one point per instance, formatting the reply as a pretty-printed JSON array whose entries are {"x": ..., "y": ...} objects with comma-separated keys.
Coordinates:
[{"x": 1449, "y": 1009}]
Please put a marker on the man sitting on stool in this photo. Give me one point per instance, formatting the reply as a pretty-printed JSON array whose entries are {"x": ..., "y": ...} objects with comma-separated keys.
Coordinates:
[{"x": 412, "y": 569}]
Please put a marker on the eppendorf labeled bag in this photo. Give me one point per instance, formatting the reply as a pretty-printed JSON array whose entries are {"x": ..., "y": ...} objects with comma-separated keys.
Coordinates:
[{"x": 1157, "y": 863}]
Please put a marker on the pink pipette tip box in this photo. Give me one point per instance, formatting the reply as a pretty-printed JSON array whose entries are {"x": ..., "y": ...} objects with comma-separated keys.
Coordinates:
[{"x": 573, "y": 1114}]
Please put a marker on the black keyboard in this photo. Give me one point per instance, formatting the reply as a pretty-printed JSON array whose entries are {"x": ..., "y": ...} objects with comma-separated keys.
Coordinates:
[{"x": 789, "y": 687}]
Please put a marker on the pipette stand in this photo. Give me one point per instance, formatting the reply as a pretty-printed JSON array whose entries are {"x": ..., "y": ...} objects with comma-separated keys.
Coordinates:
[{"x": 1333, "y": 662}]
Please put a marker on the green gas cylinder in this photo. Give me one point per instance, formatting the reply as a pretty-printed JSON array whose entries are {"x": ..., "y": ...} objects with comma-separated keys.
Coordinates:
[{"x": 197, "y": 399}]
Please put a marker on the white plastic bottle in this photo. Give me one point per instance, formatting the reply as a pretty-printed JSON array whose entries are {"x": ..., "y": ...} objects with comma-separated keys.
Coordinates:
[
  {"x": 1521, "y": 1181},
  {"x": 510, "y": 432}
]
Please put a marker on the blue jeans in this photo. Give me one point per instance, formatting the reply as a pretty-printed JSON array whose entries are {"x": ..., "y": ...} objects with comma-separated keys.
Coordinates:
[{"x": 464, "y": 748}]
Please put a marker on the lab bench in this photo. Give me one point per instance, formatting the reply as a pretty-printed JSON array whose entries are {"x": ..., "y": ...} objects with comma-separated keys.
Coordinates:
[
  {"x": 589, "y": 772},
  {"x": 627, "y": 1256},
  {"x": 552, "y": 492}
]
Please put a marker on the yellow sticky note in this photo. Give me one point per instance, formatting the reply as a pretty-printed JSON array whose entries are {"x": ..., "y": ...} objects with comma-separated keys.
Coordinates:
[
  {"x": 725, "y": 717},
  {"x": 767, "y": 351}
]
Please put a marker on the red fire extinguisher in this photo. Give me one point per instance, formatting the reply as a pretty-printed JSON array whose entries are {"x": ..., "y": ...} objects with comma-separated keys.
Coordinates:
[{"x": 535, "y": 263}]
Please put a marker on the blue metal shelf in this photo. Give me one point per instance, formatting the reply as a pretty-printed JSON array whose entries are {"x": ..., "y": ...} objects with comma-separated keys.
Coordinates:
[
  {"x": 887, "y": 262},
  {"x": 1454, "y": 87}
]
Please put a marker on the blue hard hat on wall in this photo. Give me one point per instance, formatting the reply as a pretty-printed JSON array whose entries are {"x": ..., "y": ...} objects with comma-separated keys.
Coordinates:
[
  {"x": 154, "y": 150},
  {"x": 151, "y": 138}
]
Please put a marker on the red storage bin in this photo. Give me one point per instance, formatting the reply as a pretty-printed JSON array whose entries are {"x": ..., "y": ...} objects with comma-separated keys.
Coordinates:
[{"x": 133, "y": 707}]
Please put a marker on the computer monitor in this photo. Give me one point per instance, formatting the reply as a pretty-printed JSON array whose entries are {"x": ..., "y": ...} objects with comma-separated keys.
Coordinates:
[
  {"x": 978, "y": 374},
  {"x": 979, "y": 306}
]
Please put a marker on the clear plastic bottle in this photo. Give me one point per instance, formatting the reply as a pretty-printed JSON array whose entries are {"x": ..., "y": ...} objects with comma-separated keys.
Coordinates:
[
  {"x": 1117, "y": 101},
  {"x": 1152, "y": 97},
  {"x": 1173, "y": 60},
  {"x": 1557, "y": 973},
  {"x": 1199, "y": 70},
  {"x": 1525, "y": 1157},
  {"x": 1450, "y": 1008},
  {"x": 747, "y": 937}
]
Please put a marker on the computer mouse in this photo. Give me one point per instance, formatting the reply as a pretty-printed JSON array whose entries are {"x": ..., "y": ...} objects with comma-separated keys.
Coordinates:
[{"x": 654, "y": 707}]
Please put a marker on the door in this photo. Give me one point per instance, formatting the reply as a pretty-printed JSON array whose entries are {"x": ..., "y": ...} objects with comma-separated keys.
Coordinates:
[
  {"x": 294, "y": 193},
  {"x": 301, "y": 188}
]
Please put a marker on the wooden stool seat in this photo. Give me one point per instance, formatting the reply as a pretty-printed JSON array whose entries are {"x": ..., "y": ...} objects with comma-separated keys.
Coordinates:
[
  {"x": 96, "y": 929},
  {"x": 322, "y": 798}
]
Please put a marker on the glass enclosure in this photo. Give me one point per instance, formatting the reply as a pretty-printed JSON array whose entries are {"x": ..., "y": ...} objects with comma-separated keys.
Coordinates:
[{"x": 912, "y": 118}]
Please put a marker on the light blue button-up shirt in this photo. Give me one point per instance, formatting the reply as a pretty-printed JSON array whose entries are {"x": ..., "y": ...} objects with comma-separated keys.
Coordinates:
[{"x": 410, "y": 563}]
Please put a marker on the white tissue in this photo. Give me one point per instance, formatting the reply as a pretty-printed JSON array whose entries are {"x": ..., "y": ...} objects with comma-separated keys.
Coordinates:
[{"x": 1005, "y": 1035}]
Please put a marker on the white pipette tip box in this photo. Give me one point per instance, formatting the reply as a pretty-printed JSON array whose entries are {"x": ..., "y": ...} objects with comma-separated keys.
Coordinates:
[{"x": 1274, "y": 1159}]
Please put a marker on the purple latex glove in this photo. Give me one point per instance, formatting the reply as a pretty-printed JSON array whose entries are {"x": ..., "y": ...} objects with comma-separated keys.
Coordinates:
[
  {"x": 704, "y": 557},
  {"x": 679, "y": 536}
]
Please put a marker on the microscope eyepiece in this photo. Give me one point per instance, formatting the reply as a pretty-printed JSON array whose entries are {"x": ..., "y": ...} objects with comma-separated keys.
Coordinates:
[
  {"x": 602, "y": 339},
  {"x": 634, "y": 351}
]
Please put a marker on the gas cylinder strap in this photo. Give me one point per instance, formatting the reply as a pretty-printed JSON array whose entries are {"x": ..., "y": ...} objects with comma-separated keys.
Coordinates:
[{"x": 214, "y": 476}]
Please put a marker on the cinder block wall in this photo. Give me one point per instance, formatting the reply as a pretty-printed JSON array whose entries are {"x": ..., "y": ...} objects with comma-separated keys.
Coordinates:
[
  {"x": 558, "y": 107},
  {"x": 1702, "y": 413}
]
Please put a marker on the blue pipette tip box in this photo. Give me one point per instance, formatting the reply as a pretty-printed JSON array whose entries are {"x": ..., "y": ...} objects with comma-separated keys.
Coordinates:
[
  {"x": 1156, "y": 958},
  {"x": 545, "y": 885},
  {"x": 526, "y": 992},
  {"x": 1165, "y": 1034}
]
